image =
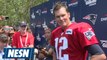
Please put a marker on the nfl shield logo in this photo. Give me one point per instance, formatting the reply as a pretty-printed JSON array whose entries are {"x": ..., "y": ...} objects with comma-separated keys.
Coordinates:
[{"x": 69, "y": 31}]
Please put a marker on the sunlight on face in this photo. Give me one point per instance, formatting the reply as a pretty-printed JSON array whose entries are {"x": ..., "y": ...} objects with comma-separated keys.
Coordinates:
[{"x": 62, "y": 17}]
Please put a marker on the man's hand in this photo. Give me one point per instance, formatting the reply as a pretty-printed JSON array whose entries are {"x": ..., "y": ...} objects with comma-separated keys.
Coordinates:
[{"x": 41, "y": 56}]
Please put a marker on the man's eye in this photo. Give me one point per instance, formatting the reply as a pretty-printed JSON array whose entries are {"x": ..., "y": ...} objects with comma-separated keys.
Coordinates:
[
  {"x": 57, "y": 16},
  {"x": 62, "y": 15}
]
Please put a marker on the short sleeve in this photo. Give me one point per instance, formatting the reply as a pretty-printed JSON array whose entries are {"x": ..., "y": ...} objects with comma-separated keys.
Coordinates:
[{"x": 86, "y": 35}]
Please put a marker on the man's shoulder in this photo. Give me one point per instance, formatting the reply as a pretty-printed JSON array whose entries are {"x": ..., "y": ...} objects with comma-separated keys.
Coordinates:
[
  {"x": 57, "y": 29},
  {"x": 82, "y": 24},
  {"x": 79, "y": 26}
]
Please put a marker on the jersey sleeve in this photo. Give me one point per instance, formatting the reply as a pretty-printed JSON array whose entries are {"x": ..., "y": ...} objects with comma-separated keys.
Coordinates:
[{"x": 86, "y": 35}]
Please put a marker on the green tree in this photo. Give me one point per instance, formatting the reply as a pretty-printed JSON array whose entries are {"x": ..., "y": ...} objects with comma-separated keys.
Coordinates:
[{"x": 17, "y": 10}]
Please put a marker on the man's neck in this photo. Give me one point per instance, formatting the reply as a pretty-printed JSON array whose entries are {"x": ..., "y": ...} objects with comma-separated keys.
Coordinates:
[{"x": 23, "y": 33}]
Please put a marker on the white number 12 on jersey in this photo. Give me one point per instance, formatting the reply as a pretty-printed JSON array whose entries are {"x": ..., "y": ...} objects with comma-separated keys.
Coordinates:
[{"x": 64, "y": 46}]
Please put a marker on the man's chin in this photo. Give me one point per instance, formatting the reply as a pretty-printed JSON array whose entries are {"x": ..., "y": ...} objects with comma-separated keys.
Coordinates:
[{"x": 63, "y": 26}]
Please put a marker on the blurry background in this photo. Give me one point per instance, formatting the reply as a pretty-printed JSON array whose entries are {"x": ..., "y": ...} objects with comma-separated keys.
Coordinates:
[{"x": 17, "y": 10}]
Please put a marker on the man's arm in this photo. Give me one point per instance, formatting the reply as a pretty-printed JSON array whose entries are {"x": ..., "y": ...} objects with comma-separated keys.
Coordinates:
[
  {"x": 98, "y": 57},
  {"x": 96, "y": 52},
  {"x": 54, "y": 56}
]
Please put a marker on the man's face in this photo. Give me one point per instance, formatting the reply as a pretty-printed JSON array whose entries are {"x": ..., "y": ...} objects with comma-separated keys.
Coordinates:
[
  {"x": 23, "y": 29},
  {"x": 62, "y": 17},
  {"x": 48, "y": 34}
]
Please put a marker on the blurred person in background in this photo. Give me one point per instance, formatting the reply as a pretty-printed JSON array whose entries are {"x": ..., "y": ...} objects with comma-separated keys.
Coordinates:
[
  {"x": 22, "y": 38},
  {"x": 12, "y": 31},
  {"x": 3, "y": 44},
  {"x": 47, "y": 52},
  {"x": 6, "y": 30}
]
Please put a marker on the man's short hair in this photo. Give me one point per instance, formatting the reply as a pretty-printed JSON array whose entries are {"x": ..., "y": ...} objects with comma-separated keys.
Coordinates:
[
  {"x": 3, "y": 38},
  {"x": 58, "y": 5}
]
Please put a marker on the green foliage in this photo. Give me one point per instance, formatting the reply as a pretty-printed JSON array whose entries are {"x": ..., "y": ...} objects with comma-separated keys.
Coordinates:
[{"x": 17, "y": 10}]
